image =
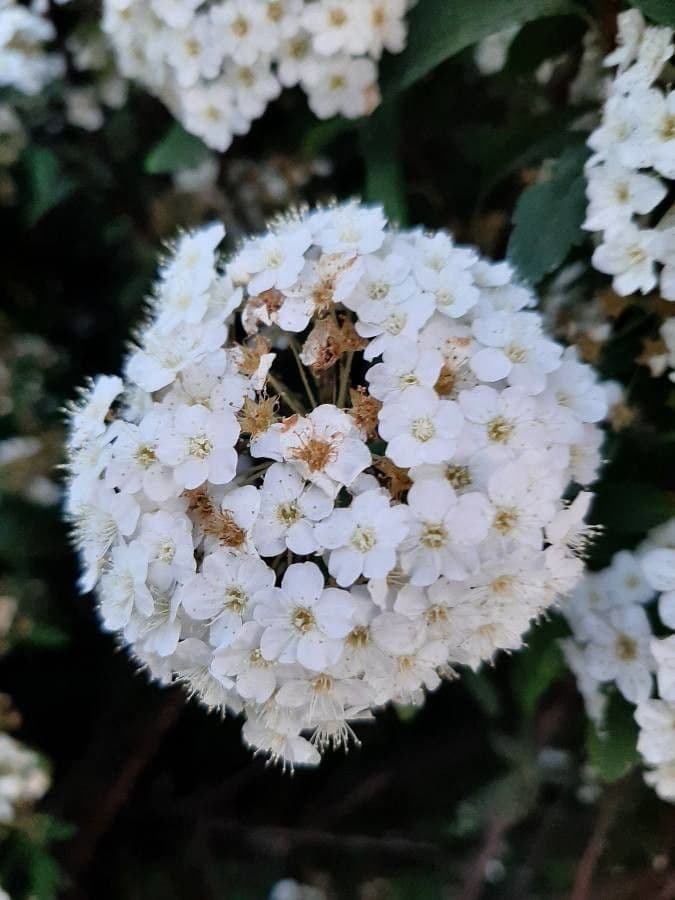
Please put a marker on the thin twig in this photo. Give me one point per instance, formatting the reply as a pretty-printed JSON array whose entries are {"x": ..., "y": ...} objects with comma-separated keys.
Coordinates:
[
  {"x": 288, "y": 398},
  {"x": 105, "y": 807},
  {"x": 345, "y": 371},
  {"x": 593, "y": 851},
  {"x": 279, "y": 841},
  {"x": 303, "y": 374},
  {"x": 473, "y": 886}
]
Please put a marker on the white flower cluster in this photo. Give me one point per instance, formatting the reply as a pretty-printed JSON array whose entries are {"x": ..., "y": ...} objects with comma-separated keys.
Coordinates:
[
  {"x": 613, "y": 642},
  {"x": 633, "y": 162},
  {"x": 308, "y": 554},
  {"x": 23, "y": 778},
  {"x": 26, "y": 63},
  {"x": 90, "y": 54},
  {"x": 217, "y": 63}
]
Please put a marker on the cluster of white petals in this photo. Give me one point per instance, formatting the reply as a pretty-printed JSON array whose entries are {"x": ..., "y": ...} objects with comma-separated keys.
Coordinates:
[
  {"x": 333, "y": 470},
  {"x": 633, "y": 164},
  {"x": 30, "y": 61},
  {"x": 612, "y": 615},
  {"x": 23, "y": 778},
  {"x": 27, "y": 63},
  {"x": 218, "y": 63}
]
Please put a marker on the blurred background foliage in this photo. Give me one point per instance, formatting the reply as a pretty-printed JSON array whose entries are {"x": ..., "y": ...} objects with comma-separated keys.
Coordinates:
[{"x": 487, "y": 791}]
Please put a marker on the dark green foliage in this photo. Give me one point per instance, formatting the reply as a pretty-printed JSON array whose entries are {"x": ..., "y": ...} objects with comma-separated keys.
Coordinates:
[
  {"x": 548, "y": 216},
  {"x": 177, "y": 150},
  {"x": 165, "y": 802}
]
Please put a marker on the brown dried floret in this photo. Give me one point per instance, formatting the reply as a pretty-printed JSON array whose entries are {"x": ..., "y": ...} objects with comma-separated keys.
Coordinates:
[
  {"x": 214, "y": 521},
  {"x": 612, "y": 304},
  {"x": 396, "y": 479},
  {"x": 256, "y": 416},
  {"x": 315, "y": 452},
  {"x": 251, "y": 353},
  {"x": 447, "y": 378},
  {"x": 329, "y": 268},
  {"x": 364, "y": 411},
  {"x": 621, "y": 416},
  {"x": 222, "y": 526},
  {"x": 654, "y": 356},
  {"x": 327, "y": 341},
  {"x": 589, "y": 349}
]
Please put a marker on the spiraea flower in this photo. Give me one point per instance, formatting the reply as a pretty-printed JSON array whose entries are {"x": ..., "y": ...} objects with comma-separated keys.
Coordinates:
[
  {"x": 218, "y": 64},
  {"x": 324, "y": 481},
  {"x": 23, "y": 779},
  {"x": 612, "y": 614},
  {"x": 633, "y": 163}
]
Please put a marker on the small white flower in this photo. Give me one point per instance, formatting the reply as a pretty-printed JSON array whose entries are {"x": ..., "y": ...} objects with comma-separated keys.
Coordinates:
[
  {"x": 88, "y": 418},
  {"x": 444, "y": 532},
  {"x": 303, "y": 620},
  {"x": 375, "y": 282},
  {"x": 452, "y": 289},
  {"x": 505, "y": 422},
  {"x": 200, "y": 446},
  {"x": 395, "y": 323},
  {"x": 164, "y": 355},
  {"x": 656, "y": 741},
  {"x": 255, "y": 677},
  {"x": 658, "y": 566},
  {"x": 515, "y": 349},
  {"x": 289, "y": 508},
  {"x": 349, "y": 229},
  {"x": 363, "y": 537},
  {"x": 224, "y": 593},
  {"x": 275, "y": 260},
  {"x": 325, "y": 448},
  {"x": 618, "y": 651},
  {"x": 615, "y": 191},
  {"x": 167, "y": 538},
  {"x": 653, "y": 141},
  {"x": 134, "y": 464},
  {"x": 123, "y": 588},
  {"x": 663, "y": 652},
  {"x": 420, "y": 427},
  {"x": 407, "y": 367},
  {"x": 628, "y": 253},
  {"x": 337, "y": 26}
]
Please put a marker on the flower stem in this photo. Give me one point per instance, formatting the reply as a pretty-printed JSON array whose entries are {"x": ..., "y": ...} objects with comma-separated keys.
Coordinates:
[
  {"x": 288, "y": 398},
  {"x": 345, "y": 372},
  {"x": 303, "y": 374}
]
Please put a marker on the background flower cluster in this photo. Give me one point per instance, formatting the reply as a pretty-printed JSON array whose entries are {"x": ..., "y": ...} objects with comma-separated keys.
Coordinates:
[{"x": 218, "y": 64}]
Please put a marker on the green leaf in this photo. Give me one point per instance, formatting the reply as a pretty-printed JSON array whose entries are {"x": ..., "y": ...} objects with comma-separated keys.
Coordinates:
[
  {"x": 613, "y": 751},
  {"x": 662, "y": 11},
  {"x": 384, "y": 175},
  {"x": 548, "y": 217},
  {"x": 177, "y": 150},
  {"x": 438, "y": 29},
  {"x": 540, "y": 664},
  {"x": 482, "y": 689},
  {"x": 321, "y": 134},
  {"x": 498, "y": 152},
  {"x": 48, "y": 637},
  {"x": 406, "y": 713},
  {"x": 541, "y": 40},
  {"x": 631, "y": 507},
  {"x": 47, "y": 185}
]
